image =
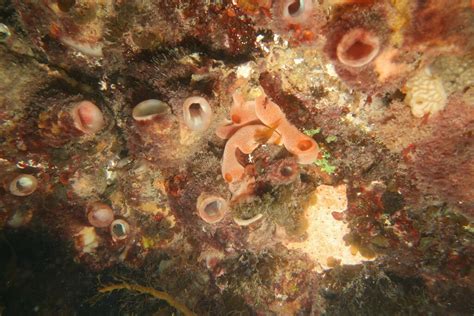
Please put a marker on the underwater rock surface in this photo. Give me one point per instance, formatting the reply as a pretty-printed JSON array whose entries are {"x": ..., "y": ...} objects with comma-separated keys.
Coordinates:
[{"x": 253, "y": 157}]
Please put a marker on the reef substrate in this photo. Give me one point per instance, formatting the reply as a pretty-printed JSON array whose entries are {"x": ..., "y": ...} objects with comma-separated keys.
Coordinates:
[{"x": 254, "y": 157}]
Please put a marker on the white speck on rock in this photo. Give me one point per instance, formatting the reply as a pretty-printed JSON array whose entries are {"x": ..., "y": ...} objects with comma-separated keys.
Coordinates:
[{"x": 244, "y": 71}]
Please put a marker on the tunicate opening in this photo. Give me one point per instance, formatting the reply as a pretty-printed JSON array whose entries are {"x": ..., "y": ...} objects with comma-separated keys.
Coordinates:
[
  {"x": 195, "y": 111},
  {"x": 23, "y": 185},
  {"x": 359, "y": 50},
  {"x": 236, "y": 119},
  {"x": 119, "y": 229},
  {"x": 295, "y": 8},
  {"x": 286, "y": 171},
  {"x": 149, "y": 109},
  {"x": 99, "y": 214},
  {"x": 66, "y": 5},
  {"x": 87, "y": 117},
  {"x": 4, "y": 32},
  {"x": 305, "y": 145},
  {"x": 358, "y": 47},
  {"x": 213, "y": 208}
]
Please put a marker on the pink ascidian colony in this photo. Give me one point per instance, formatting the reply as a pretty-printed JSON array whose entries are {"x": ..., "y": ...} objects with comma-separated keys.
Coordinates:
[{"x": 247, "y": 157}]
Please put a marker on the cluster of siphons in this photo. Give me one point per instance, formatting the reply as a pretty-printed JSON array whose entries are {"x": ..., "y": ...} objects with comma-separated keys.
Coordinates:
[
  {"x": 253, "y": 123},
  {"x": 87, "y": 119}
]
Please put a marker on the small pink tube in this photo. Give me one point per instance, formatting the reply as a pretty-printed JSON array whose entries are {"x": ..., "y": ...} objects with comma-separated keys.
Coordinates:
[
  {"x": 296, "y": 11},
  {"x": 211, "y": 208},
  {"x": 197, "y": 113},
  {"x": 246, "y": 139},
  {"x": 99, "y": 214},
  {"x": 150, "y": 109},
  {"x": 87, "y": 117},
  {"x": 358, "y": 47}
]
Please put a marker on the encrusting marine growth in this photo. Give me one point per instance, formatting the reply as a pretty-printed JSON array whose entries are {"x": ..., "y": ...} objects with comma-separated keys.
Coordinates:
[
  {"x": 253, "y": 157},
  {"x": 276, "y": 129}
]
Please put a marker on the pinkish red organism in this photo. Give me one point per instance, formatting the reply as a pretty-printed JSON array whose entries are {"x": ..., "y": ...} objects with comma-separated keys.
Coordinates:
[
  {"x": 298, "y": 20},
  {"x": 358, "y": 47},
  {"x": 222, "y": 28},
  {"x": 433, "y": 26},
  {"x": 303, "y": 147},
  {"x": 355, "y": 36},
  {"x": 211, "y": 208},
  {"x": 276, "y": 129},
  {"x": 367, "y": 208},
  {"x": 99, "y": 214},
  {"x": 245, "y": 140},
  {"x": 69, "y": 120},
  {"x": 241, "y": 113}
]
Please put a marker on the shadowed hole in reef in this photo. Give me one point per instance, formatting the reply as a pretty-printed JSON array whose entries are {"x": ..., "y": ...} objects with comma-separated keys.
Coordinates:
[
  {"x": 294, "y": 8},
  {"x": 286, "y": 171},
  {"x": 359, "y": 50},
  {"x": 213, "y": 208},
  {"x": 196, "y": 111},
  {"x": 66, "y": 5}
]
